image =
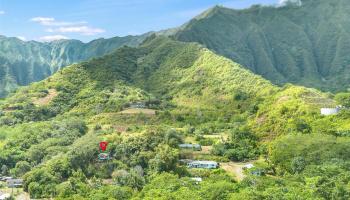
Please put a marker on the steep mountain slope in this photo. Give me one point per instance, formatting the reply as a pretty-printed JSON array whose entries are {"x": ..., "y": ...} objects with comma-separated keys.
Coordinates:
[
  {"x": 49, "y": 131},
  {"x": 183, "y": 77},
  {"x": 177, "y": 77},
  {"x": 163, "y": 67},
  {"x": 24, "y": 62},
  {"x": 306, "y": 45}
]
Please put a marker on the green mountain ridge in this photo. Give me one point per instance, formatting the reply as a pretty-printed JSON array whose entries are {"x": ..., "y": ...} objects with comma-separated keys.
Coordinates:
[
  {"x": 22, "y": 63},
  {"x": 161, "y": 67},
  {"x": 305, "y": 45}
]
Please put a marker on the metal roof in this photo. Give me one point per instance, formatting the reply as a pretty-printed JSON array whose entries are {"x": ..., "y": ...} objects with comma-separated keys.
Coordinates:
[
  {"x": 189, "y": 145},
  {"x": 249, "y": 166},
  {"x": 205, "y": 162}
]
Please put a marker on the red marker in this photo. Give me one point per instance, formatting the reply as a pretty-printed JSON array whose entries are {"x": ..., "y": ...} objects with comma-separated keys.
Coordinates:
[{"x": 103, "y": 146}]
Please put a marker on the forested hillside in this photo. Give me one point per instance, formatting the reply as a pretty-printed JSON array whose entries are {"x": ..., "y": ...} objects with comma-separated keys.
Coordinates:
[
  {"x": 22, "y": 63},
  {"x": 306, "y": 45},
  {"x": 50, "y": 130}
]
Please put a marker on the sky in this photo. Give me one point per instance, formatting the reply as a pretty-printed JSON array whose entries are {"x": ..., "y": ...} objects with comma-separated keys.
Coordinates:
[{"x": 47, "y": 20}]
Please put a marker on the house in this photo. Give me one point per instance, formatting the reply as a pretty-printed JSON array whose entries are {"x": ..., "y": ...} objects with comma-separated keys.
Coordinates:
[
  {"x": 14, "y": 183},
  {"x": 185, "y": 161},
  {"x": 103, "y": 156},
  {"x": 203, "y": 164},
  {"x": 196, "y": 147},
  {"x": 5, "y": 178},
  {"x": 330, "y": 111}
]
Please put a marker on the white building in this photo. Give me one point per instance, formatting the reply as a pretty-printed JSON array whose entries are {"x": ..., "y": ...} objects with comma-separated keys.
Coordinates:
[
  {"x": 330, "y": 111},
  {"x": 248, "y": 166},
  {"x": 203, "y": 164}
]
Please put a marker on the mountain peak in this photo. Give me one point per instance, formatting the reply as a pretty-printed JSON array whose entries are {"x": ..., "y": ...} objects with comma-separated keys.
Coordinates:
[
  {"x": 295, "y": 44},
  {"x": 211, "y": 11}
]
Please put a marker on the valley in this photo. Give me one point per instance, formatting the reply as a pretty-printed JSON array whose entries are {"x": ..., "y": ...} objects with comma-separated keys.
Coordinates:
[
  {"x": 19, "y": 69},
  {"x": 235, "y": 104},
  {"x": 146, "y": 101}
]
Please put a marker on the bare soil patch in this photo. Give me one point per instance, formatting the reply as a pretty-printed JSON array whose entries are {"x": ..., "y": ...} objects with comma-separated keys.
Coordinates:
[
  {"x": 206, "y": 149},
  {"x": 47, "y": 99},
  {"x": 235, "y": 169},
  {"x": 120, "y": 128}
]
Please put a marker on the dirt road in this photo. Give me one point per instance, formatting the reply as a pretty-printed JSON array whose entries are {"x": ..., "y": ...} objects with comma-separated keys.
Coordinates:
[
  {"x": 23, "y": 196},
  {"x": 235, "y": 169}
]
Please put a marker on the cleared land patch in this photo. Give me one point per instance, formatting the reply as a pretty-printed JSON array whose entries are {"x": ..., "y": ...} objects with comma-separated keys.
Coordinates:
[
  {"x": 47, "y": 99},
  {"x": 234, "y": 168},
  {"x": 132, "y": 111}
]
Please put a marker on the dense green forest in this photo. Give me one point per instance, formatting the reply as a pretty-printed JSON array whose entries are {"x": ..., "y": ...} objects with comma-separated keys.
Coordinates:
[
  {"x": 24, "y": 62},
  {"x": 303, "y": 44},
  {"x": 50, "y": 130}
]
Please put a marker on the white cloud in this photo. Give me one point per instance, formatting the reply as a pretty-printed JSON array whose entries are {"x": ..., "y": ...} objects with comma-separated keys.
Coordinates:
[
  {"x": 83, "y": 30},
  {"x": 22, "y": 38},
  {"x": 55, "y": 26},
  {"x": 2, "y": 12},
  {"x": 43, "y": 20},
  {"x": 50, "y": 21},
  {"x": 50, "y": 38}
]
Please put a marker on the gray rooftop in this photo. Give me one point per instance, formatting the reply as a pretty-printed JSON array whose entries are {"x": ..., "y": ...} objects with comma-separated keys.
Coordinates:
[{"x": 204, "y": 162}]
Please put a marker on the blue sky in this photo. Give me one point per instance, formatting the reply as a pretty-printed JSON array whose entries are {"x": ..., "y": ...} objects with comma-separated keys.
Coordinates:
[{"x": 85, "y": 20}]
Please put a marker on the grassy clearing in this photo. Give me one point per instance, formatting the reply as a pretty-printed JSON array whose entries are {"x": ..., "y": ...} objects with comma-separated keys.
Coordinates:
[{"x": 133, "y": 111}]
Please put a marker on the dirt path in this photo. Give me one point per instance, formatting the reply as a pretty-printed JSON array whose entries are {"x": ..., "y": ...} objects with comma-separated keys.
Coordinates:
[
  {"x": 47, "y": 99},
  {"x": 23, "y": 196},
  {"x": 17, "y": 192},
  {"x": 235, "y": 169}
]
